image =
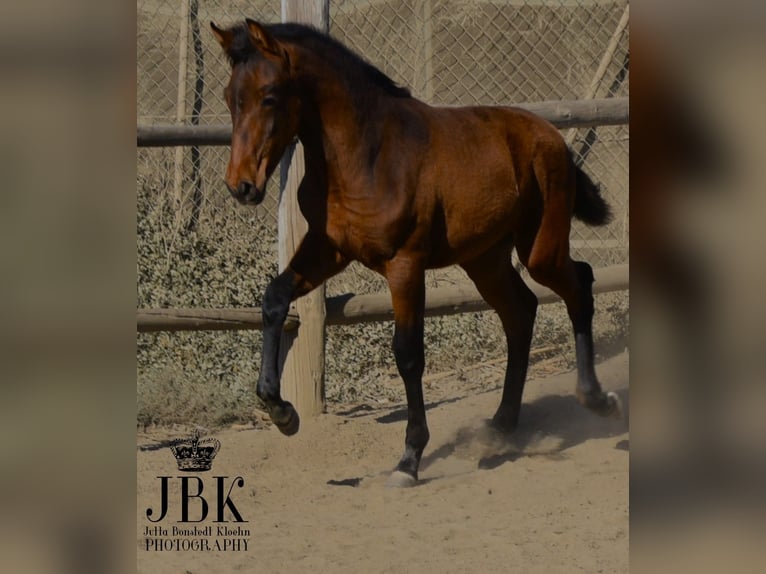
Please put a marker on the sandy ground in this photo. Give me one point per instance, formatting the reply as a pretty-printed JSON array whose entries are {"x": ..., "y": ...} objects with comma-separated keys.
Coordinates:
[{"x": 551, "y": 498}]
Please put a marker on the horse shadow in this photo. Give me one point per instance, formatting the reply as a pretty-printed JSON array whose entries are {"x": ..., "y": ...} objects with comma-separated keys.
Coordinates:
[
  {"x": 400, "y": 415},
  {"x": 159, "y": 445},
  {"x": 548, "y": 427}
]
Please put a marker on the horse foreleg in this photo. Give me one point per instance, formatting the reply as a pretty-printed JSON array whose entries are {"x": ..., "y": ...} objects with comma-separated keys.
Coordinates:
[
  {"x": 406, "y": 279},
  {"x": 276, "y": 303},
  {"x": 314, "y": 262}
]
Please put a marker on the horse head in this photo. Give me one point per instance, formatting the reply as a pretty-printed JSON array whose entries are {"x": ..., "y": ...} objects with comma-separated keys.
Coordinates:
[{"x": 263, "y": 105}]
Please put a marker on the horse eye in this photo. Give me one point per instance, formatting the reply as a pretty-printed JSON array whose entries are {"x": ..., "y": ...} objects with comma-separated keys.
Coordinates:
[{"x": 269, "y": 101}]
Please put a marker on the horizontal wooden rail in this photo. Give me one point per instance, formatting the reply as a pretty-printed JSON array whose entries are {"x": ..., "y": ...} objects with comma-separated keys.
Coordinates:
[
  {"x": 351, "y": 309},
  {"x": 149, "y": 320},
  {"x": 181, "y": 135},
  {"x": 563, "y": 114}
]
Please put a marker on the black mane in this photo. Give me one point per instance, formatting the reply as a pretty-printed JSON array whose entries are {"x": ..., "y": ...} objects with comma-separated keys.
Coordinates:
[{"x": 351, "y": 66}]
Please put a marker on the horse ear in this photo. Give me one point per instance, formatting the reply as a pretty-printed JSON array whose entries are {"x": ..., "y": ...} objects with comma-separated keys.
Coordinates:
[
  {"x": 262, "y": 39},
  {"x": 224, "y": 37}
]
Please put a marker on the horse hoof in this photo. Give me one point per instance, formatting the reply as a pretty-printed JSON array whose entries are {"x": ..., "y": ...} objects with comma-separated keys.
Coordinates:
[
  {"x": 399, "y": 479},
  {"x": 286, "y": 419},
  {"x": 603, "y": 404},
  {"x": 614, "y": 405}
]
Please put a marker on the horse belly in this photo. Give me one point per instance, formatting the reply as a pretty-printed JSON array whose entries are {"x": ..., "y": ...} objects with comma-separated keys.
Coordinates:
[
  {"x": 477, "y": 182},
  {"x": 473, "y": 217}
]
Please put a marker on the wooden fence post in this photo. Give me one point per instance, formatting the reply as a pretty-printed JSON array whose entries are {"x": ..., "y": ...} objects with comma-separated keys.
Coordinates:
[{"x": 302, "y": 358}]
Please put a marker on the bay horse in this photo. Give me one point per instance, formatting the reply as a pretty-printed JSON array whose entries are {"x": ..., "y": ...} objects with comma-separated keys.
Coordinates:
[{"x": 401, "y": 187}]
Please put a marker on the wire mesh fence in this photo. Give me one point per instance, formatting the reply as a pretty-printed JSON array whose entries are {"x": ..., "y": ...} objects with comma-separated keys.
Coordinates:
[{"x": 197, "y": 248}]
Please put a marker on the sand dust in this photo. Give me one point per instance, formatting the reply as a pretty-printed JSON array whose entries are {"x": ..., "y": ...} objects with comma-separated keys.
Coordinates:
[{"x": 551, "y": 498}]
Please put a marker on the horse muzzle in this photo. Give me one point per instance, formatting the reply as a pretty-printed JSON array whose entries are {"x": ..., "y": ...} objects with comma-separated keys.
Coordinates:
[{"x": 246, "y": 193}]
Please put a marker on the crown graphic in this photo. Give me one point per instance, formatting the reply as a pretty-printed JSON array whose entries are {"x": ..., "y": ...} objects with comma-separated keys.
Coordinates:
[{"x": 194, "y": 454}]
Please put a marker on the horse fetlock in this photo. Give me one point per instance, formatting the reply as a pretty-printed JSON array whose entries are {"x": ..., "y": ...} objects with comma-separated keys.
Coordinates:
[
  {"x": 410, "y": 461},
  {"x": 264, "y": 391},
  {"x": 505, "y": 420},
  {"x": 416, "y": 440},
  {"x": 286, "y": 418}
]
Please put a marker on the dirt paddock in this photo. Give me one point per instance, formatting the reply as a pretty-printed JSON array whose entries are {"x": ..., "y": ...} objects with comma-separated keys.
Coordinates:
[{"x": 553, "y": 497}]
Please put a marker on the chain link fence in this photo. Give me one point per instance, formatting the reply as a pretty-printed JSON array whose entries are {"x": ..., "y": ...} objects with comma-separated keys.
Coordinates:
[{"x": 197, "y": 248}]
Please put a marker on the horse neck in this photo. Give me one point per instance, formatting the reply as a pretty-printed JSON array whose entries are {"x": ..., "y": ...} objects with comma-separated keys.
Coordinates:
[{"x": 332, "y": 123}]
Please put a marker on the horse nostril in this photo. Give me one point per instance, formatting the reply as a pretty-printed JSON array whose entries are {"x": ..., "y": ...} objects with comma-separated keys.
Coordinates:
[{"x": 244, "y": 188}]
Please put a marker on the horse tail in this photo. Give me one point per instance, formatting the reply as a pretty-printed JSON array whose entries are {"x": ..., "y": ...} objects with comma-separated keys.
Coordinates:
[{"x": 589, "y": 206}]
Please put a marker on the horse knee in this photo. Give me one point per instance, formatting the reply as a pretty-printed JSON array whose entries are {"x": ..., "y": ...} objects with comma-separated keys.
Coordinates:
[
  {"x": 409, "y": 364},
  {"x": 276, "y": 299},
  {"x": 519, "y": 319}
]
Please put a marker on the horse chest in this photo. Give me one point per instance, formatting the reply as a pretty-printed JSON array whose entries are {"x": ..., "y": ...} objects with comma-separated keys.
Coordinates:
[{"x": 362, "y": 236}]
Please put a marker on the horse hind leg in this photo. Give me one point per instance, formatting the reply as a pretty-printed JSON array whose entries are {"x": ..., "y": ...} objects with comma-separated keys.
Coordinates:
[
  {"x": 545, "y": 254},
  {"x": 588, "y": 391},
  {"x": 503, "y": 289}
]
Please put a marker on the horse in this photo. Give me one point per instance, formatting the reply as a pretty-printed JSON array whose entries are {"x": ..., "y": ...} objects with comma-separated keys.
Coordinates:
[{"x": 402, "y": 187}]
